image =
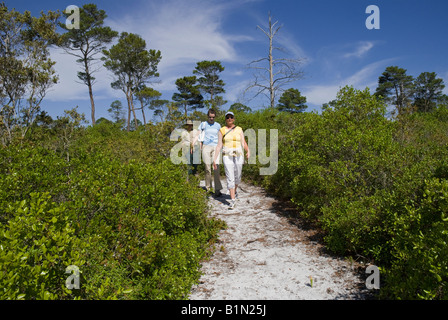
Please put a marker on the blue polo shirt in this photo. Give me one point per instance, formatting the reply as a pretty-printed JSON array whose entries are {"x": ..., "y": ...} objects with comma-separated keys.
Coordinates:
[{"x": 211, "y": 133}]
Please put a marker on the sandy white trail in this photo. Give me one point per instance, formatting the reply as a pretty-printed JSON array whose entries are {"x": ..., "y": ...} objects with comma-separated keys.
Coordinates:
[{"x": 262, "y": 256}]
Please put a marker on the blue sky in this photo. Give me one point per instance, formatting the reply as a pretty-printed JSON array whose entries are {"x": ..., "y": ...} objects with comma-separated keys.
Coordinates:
[{"x": 330, "y": 36}]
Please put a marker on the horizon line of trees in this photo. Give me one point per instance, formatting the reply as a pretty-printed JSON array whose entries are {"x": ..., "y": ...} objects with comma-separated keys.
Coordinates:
[
  {"x": 406, "y": 93},
  {"x": 27, "y": 73}
]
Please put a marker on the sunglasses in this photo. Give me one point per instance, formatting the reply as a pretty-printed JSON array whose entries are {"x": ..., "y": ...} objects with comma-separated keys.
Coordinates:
[{"x": 229, "y": 117}]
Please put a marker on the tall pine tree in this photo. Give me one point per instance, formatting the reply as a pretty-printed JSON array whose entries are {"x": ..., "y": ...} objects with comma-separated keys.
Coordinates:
[
  {"x": 133, "y": 66},
  {"x": 209, "y": 81},
  {"x": 396, "y": 87},
  {"x": 86, "y": 43}
]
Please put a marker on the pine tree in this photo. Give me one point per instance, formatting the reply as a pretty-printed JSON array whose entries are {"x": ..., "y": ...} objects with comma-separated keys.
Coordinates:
[{"x": 86, "y": 43}]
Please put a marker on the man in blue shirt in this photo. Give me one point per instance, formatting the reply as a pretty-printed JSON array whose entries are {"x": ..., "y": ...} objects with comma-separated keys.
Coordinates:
[{"x": 211, "y": 129}]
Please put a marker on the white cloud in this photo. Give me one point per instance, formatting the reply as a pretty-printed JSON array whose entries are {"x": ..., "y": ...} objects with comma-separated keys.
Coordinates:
[
  {"x": 66, "y": 69},
  {"x": 344, "y": 53},
  {"x": 235, "y": 92},
  {"x": 69, "y": 87},
  {"x": 320, "y": 94},
  {"x": 362, "y": 48},
  {"x": 366, "y": 77},
  {"x": 185, "y": 32}
]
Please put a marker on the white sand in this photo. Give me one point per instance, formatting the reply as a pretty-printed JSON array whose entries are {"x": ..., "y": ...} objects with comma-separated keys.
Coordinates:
[{"x": 263, "y": 256}]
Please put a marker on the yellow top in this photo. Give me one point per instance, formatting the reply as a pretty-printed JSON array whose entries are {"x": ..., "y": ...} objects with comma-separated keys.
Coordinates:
[{"x": 232, "y": 139}]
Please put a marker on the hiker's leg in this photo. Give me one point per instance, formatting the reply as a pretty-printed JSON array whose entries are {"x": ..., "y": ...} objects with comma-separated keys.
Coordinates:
[
  {"x": 206, "y": 156},
  {"x": 238, "y": 162},
  {"x": 229, "y": 168},
  {"x": 216, "y": 176}
]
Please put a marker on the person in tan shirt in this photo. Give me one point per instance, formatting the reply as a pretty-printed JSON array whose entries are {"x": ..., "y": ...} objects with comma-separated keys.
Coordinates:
[{"x": 191, "y": 147}]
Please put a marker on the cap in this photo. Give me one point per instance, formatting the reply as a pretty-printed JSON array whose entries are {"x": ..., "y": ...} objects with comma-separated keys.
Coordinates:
[
  {"x": 189, "y": 122},
  {"x": 229, "y": 112}
]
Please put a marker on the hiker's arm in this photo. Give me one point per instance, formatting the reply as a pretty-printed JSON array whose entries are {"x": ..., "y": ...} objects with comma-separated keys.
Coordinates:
[
  {"x": 217, "y": 150},
  {"x": 195, "y": 138},
  {"x": 245, "y": 146}
]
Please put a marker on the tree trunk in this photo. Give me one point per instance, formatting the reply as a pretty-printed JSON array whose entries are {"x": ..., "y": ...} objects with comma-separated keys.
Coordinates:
[
  {"x": 271, "y": 65},
  {"x": 92, "y": 103},
  {"x": 133, "y": 112},
  {"x": 143, "y": 113},
  {"x": 129, "y": 112},
  {"x": 89, "y": 84}
]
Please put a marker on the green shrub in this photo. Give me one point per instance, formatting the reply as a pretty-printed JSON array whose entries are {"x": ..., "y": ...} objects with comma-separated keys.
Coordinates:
[
  {"x": 36, "y": 246},
  {"x": 360, "y": 176},
  {"x": 27, "y": 169},
  {"x": 136, "y": 229},
  {"x": 419, "y": 269}
]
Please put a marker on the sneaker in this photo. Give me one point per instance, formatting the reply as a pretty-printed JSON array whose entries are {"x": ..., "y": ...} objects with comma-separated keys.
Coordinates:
[{"x": 232, "y": 204}]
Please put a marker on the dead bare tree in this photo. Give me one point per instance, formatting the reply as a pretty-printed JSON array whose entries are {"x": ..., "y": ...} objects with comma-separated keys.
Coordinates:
[{"x": 272, "y": 73}]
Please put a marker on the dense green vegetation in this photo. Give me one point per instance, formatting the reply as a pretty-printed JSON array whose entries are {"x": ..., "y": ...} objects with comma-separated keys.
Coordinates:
[
  {"x": 118, "y": 209},
  {"x": 376, "y": 187}
]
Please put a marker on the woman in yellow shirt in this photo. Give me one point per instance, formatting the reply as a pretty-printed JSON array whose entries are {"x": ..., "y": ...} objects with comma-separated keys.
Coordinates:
[{"x": 231, "y": 141}]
